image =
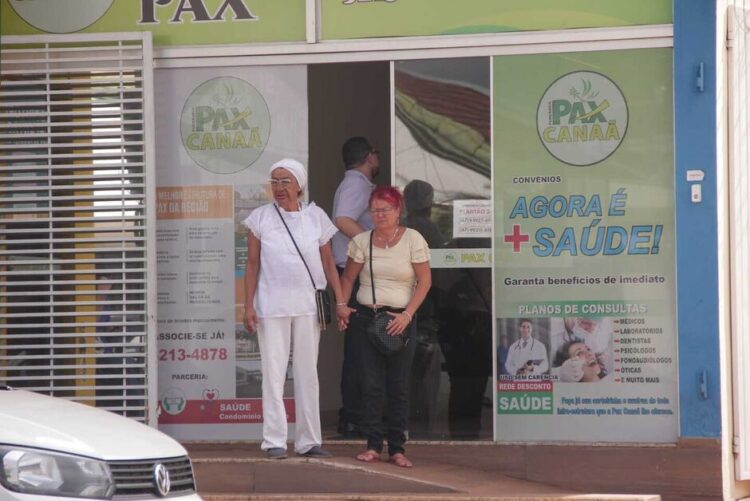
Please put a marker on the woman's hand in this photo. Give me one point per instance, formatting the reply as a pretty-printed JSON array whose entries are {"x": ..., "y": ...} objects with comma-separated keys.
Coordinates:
[
  {"x": 343, "y": 312},
  {"x": 250, "y": 319},
  {"x": 398, "y": 324}
]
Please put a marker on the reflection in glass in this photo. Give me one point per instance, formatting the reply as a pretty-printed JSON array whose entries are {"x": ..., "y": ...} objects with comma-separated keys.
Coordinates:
[{"x": 442, "y": 129}]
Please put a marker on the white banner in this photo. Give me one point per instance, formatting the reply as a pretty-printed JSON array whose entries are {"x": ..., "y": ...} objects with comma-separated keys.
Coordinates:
[
  {"x": 218, "y": 130},
  {"x": 472, "y": 218}
]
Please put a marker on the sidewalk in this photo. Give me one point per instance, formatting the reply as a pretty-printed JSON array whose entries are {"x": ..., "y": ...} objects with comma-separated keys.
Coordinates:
[{"x": 239, "y": 471}]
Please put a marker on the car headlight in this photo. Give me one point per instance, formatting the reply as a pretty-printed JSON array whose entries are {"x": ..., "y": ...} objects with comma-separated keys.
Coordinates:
[{"x": 32, "y": 471}]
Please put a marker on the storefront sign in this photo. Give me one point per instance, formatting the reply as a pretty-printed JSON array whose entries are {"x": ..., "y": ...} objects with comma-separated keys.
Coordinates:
[
  {"x": 584, "y": 246},
  {"x": 344, "y": 19},
  {"x": 172, "y": 22},
  {"x": 212, "y": 165}
]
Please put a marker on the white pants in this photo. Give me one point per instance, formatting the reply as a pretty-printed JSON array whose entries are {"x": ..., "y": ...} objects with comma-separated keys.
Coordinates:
[{"x": 275, "y": 336}]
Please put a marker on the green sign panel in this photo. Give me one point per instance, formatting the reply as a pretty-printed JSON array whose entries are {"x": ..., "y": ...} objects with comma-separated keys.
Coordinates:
[
  {"x": 172, "y": 22},
  {"x": 344, "y": 19},
  {"x": 584, "y": 181},
  {"x": 584, "y": 246}
]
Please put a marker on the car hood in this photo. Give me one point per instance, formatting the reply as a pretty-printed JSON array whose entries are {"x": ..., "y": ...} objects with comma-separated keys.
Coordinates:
[{"x": 36, "y": 420}]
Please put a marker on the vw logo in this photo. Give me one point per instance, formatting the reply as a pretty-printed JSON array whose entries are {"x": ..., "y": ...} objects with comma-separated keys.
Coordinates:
[{"x": 161, "y": 479}]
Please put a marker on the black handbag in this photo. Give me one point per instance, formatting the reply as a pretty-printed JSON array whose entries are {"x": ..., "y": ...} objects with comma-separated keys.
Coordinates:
[
  {"x": 323, "y": 306},
  {"x": 377, "y": 326},
  {"x": 322, "y": 299}
]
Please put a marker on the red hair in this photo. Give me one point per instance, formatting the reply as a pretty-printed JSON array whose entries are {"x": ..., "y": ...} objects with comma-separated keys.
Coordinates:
[{"x": 388, "y": 194}]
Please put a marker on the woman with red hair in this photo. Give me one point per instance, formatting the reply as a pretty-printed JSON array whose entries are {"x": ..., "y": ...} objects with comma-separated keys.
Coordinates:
[{"x": 401, "y": 276}]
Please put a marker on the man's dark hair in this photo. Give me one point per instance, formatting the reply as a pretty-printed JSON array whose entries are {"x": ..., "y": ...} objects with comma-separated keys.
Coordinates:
[{"x": 355, "y": 151}]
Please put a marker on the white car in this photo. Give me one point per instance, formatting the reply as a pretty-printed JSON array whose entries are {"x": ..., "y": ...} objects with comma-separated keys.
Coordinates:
[{"x": 57, "y": 450}]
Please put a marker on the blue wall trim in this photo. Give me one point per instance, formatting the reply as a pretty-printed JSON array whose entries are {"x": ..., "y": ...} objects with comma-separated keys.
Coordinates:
[{"x": 697, "y": 265}]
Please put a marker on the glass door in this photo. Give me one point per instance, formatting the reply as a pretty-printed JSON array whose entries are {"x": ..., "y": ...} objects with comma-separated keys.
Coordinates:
[{"x": 442, "y": 162}]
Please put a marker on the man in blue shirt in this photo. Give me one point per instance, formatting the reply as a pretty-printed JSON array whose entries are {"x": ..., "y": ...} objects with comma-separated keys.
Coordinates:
[
  {"x": 350, "y": 203},
  {"x": 351, "y": 216}
]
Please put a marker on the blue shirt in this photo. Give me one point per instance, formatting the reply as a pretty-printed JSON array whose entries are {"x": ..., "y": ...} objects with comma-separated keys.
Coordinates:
[{"x": 351, "y": 200}]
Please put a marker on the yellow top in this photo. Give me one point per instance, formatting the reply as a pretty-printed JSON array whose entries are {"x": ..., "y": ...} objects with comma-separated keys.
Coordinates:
[{"x": 394, "y": 275}]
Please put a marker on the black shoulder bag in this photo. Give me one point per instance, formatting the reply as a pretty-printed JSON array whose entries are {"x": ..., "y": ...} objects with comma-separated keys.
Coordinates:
[
  {"x": 377, "y": 328},
  {"x": 322, "y": 299}
]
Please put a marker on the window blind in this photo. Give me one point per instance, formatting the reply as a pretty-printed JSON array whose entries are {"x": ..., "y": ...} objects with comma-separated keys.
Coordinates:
[{"x": 74, "y": 218}]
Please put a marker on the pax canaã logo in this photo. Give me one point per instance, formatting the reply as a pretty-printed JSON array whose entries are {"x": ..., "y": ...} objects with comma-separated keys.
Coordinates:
[
  {"x": 582, "y": 118},
  {"x": 60, "y": 16},
  {"x": 225, "y": 125}
]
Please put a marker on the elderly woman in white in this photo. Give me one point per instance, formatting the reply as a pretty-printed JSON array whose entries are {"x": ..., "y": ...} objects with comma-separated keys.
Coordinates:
[{"x": 280, "y": 304}]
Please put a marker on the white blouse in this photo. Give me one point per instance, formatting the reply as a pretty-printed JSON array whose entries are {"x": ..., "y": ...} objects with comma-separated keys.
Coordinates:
[{"x": 284, "y": 287}]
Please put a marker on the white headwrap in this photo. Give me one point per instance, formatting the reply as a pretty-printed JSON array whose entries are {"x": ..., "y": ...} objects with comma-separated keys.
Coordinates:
[{"x": 296, "y": 168}]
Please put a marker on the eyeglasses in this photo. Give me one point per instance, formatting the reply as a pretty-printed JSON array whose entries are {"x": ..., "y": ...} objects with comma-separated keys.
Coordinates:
[
  {"x": 284, "y": 182},
  {"x": 383, "y": 210}
]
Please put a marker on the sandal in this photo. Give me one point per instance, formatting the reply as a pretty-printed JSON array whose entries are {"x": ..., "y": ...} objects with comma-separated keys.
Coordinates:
[
  {"x": 400, "y": 460},
  {"x": 368, "y": 456}
]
